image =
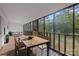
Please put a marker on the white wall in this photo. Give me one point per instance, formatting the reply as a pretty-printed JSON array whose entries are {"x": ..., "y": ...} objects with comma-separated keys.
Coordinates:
[
  {"x": 4, "y": 23},
  {"x": 15, "y": 27}
]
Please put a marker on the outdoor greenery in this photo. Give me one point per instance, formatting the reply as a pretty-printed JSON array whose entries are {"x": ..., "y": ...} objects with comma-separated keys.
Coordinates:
[{"x": 41, "y": 25}]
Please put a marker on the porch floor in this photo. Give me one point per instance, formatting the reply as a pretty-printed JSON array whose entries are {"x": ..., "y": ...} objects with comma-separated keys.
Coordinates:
[{"x": 9, "y": 50}]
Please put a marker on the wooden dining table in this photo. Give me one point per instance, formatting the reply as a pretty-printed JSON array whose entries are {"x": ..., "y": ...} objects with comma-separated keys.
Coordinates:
[{"x": 34, "y": 41}]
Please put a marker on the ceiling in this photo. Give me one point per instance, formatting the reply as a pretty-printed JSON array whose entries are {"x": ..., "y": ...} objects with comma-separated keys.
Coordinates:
[{"x": 21, "y": 13}]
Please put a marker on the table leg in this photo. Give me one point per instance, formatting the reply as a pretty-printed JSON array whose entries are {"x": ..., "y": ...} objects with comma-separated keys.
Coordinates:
[
  {"x": 48, "y": 49},
  {"x": 28, "y": 51}
]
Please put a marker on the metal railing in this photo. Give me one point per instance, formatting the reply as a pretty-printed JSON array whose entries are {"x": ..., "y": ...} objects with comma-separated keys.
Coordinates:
[{"x": 66, "y": 37}]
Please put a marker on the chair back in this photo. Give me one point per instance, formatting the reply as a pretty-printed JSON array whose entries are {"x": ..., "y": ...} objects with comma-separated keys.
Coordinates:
[
  {"x": 19, "y": 41},
  {"x": 15, "y": 41}
]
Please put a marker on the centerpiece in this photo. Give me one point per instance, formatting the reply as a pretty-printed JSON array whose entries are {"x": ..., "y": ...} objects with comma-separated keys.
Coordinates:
[{"x": 30, "y": 37}]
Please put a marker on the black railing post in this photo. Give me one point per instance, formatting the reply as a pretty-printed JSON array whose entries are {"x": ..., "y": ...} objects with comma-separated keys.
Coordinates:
[
  {"x": 54, "y": 40},
  {"x": 73, "y": 31},
  {"x": 44, "y": 26},
  {"x": 64, "y": 43},
  {"x": 59, "y": 42},
  {"x": 50, "y": 38},
  {"x": 54, "y": 32}
]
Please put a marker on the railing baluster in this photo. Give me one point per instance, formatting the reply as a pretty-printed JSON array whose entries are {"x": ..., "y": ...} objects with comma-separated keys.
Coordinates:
[
  {"x": 64, "y": 44},
  {"x": 59, "y": 42},
  {"x": 50, "y": 38},
  {"x": 54, "y": 40}
]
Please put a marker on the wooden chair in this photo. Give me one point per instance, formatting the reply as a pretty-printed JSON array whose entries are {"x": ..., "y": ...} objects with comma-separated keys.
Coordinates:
[{"x": 18, "y": 46}]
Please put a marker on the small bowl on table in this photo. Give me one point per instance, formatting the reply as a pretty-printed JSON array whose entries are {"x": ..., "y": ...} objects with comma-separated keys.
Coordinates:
[{"x": 30, "y": 37}]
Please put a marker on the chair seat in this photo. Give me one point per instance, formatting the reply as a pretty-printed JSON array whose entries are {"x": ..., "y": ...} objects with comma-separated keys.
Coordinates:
[{"x": 21, "y": 44}]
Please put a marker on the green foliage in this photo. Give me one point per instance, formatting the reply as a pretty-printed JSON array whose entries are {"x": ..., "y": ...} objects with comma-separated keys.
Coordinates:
[{"x": 63, "y": 23}]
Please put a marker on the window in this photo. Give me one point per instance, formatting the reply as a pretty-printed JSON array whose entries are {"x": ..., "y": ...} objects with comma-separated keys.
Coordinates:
[
  {"x": 49, "y": 24},
  {"x": 35, "y": 25},
  {"x": 69, "y": 30},
  {"x": 41, "y": 25},
  {"x": 77, "y": 30},
  {"x": 59, "y": 30},
  {"x": 49, "y": 28},
  {"x": 31, "y": 28},
  {"x": 64, "y": 31}
]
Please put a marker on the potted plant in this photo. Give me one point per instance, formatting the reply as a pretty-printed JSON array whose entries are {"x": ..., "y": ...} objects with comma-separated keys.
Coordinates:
[
  {"x": 7, "y": 38},
  {"x": 10, "y": 33}
]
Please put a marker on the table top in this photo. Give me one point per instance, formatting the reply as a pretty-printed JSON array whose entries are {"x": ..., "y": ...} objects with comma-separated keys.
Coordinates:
[{"x": 34, "y": 41}]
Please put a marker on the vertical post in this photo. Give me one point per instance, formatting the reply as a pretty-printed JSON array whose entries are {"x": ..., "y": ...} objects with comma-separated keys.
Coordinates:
[
  {"x": 64, "y": 44},
  {"x": 59, "y": 42},
  {"x": 30, "y": 28},
  {"x": 44, "y": 26},
  {"x": 48, "y": 44},
  {"x": 47, "y": 35},
  {"x": 37, "y": 27},
  {"x": 50, "y": 38},
  {"x": 28, "y": 51},
  {"x": 73, "y": 31},
  {"x": 54, "y": 32}
]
